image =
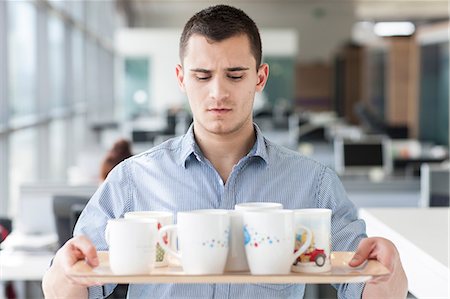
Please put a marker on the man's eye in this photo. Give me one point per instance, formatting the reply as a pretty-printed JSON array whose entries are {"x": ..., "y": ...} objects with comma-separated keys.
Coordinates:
[
  {"x": 235, "y": 77},
  {"x": 202, "y": 78}
]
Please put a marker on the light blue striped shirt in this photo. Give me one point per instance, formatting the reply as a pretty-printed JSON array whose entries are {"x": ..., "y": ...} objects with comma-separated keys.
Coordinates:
[{"x": 175, "y": 176}]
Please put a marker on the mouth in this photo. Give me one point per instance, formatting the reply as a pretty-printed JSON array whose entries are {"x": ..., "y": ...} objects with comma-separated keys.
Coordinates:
[{"x": 219, "y": 111}]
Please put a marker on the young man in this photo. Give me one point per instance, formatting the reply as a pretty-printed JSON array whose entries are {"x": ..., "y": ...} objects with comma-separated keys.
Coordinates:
[{"x": 222, "y": 160}]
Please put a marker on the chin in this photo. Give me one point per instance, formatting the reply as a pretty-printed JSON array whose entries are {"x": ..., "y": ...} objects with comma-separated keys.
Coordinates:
[{"x": 218, "y": 128}]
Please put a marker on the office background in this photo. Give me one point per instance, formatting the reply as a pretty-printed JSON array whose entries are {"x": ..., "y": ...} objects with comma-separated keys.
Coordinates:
[{"x": 77, "y": 75}]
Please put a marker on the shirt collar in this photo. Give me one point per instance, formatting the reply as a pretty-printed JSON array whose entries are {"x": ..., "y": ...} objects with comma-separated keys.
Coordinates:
[
  {"x": 260, "y": 147},
  {"x": 190, "y": 149}
]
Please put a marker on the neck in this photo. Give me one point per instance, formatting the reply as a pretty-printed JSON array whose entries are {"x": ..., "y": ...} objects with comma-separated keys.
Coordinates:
[{"x": 225, "y": 150}]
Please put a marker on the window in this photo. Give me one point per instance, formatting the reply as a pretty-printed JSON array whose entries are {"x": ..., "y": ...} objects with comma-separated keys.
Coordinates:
[
  {"x": 22, "y": 58},
  {"x": 434, "y": 93},
  {"x": 22, "y": 162},
  {"x": 56, "y": 61},
  {"x": 78, "y": 66},
  {"x": 57, "y": 150}
]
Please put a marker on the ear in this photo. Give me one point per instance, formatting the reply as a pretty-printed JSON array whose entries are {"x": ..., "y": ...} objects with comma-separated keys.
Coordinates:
[
  {"x": 180, "y": 77},
  {"x": 263, "y": 75}
]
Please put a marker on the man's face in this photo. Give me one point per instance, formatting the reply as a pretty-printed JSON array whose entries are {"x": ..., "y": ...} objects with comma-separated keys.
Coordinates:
[{"x": 220, "y": 80}]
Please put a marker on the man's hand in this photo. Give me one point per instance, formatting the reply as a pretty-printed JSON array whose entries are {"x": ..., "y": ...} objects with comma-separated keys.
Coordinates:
[
  {"x": 394, "y": 285},
  {"x": 57, "y": 283}
]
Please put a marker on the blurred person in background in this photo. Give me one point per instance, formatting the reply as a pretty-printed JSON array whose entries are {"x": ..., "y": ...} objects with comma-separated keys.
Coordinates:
[{"x": 120, "y": 151}]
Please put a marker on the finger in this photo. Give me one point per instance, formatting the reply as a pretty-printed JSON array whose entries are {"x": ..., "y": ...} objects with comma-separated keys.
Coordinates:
[
  {"x": 82, "y": 247},
  {"x": 76, "y": 249},
  {"x": 363, "y": 252}
]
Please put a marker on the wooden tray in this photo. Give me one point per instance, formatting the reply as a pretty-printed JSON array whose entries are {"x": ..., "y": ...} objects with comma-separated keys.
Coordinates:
[{"x": 340, "y": 273}]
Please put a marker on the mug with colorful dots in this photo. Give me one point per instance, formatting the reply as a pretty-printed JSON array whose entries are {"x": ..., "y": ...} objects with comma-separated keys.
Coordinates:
[
  {"x": 237, "y": 260},
  {"x": 269, "y": 238},
  {"x": 164, "y": 218},
  {"x": 203, "y": 238}
]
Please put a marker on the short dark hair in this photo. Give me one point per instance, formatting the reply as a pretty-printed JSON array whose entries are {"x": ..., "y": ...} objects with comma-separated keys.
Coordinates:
[{"x": 220, "y": 22}]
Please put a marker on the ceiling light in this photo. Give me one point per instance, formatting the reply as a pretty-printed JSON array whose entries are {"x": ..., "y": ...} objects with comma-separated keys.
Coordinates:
[{"x": 394, "y": 28}]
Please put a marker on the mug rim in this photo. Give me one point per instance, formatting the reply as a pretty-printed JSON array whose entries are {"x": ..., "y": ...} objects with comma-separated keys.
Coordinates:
[
  {"x": 132, "y": 220},
  {"x": 257, "y": 205},
  {"x": 313, "y": 211},
  {"x": 149, "y": 213},
  {"x": 204, "y": 212},
  {"x": 269, "y": 211}
]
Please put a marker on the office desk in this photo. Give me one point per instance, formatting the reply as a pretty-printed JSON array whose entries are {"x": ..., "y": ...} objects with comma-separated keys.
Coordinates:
[
  {"x": 26, "y": 270},
  {"x": 391, "y": 192},
  {"x": 422, "y": 238},
  {"x": 24, "y": 266}
]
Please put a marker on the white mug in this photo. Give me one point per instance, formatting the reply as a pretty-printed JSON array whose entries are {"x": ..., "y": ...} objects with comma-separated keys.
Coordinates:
[
  {"x": 163, "y": 218},
  {"x": 316, "y": 258},
  {"x": 132, "y": 244},
  {"x": 246, "y": 206},
  {"x": 203, "y": 237},
  {"x": 270, "y": 241},
  {"x": 237, "y": 260}
]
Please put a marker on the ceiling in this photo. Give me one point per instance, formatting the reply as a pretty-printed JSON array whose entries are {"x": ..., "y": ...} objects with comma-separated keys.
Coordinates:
[{"x": 174, "y": 13}]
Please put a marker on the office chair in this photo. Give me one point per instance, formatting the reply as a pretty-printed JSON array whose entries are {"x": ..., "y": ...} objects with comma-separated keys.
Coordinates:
[
  {"x": 67, "y": 209},
  {"x": 435, "y": 185}
]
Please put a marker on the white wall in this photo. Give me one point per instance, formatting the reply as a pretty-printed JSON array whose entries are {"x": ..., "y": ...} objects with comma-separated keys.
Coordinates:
[{"x": 161, "y": 46}]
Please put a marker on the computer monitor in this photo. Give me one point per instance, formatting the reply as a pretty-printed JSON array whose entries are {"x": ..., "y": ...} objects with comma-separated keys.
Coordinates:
[
  {"x": 360, "y": 156},
  {"x": 435, "y": 185},
  {"x": 67, "y": 209}
]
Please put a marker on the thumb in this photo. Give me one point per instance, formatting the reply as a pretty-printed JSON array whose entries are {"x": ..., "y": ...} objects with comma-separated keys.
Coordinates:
[{"x": 362, "y": 253}]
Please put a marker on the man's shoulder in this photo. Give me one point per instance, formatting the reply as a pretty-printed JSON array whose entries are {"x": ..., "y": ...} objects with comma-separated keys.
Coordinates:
[
  {"x": 280, "y": 153},
  {"x": 169, "y": 148}
]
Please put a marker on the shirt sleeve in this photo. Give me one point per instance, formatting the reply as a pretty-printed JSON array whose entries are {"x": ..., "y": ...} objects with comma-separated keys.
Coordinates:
[
  {"x": 346, "y": 229},
  {"x": 111, "y": 200}
]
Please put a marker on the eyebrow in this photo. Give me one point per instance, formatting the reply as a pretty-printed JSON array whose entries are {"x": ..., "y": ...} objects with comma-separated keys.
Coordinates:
[
  {"x": 237, "y": 69},
  {"x": 230, "y": 69}
]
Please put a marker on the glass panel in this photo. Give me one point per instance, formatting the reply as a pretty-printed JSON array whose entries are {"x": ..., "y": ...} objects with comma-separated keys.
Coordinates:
[
  {"x": 92, "y": 80},
  {"x": 56, "y": 61},
  {"x": 280, "y": 86},
  {"x": 433, "y": 109},
  {"x": 106, "y": 24},
  {"x": 22, "y": 58},
  {"x": 78, "y": 66},
  {"x": 23, "y": 161},
  {"x": 377, "y": 89},
  {"x": 443, "y": 95},
  {"x": 58, "y": 3},
  {"x": 58, "y": 150},
  {"x": 92, "y": 15},
  {"x": 78, "y": 10},
  {"x": 136, "y": 87},
  {"x": 79, "y": 133}
]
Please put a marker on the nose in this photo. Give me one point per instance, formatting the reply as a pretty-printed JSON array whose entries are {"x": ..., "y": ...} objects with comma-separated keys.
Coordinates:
[{"x": 218, "y": 89}]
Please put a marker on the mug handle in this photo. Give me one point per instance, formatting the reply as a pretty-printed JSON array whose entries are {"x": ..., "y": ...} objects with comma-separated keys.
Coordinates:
[
  {"x": 306, "y": 244},
  {"x": 162, "y": 231}
]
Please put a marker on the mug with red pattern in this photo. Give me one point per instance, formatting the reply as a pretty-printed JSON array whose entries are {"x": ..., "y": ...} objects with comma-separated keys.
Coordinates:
[
  {"x": 164, "y": 218},
  {"x": 269, "y": 238},
  {"x": 317, "y": 257}
]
